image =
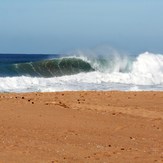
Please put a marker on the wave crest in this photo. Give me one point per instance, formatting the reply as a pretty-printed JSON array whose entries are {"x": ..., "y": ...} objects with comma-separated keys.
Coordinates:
[
  {"x": 47, "y": 68},
  {"x": 143, "y": 72}
]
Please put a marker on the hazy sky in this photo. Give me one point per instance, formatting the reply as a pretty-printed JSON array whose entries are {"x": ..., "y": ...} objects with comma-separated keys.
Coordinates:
[{"x": 58, "y": 26}]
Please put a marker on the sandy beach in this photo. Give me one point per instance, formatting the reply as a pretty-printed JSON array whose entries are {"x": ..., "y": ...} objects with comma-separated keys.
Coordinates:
[{"x": 81, "y": 127}]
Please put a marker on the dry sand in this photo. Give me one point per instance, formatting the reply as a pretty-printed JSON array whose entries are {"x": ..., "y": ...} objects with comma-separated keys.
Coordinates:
[{"x": 82, "y": 127}]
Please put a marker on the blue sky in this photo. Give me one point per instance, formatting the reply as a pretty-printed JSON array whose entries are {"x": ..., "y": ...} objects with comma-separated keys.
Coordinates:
[{"x": 60, "y": 26}]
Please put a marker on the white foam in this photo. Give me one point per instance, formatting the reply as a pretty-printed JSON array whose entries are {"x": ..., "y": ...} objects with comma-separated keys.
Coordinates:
[{"x": 146, "y": 74}]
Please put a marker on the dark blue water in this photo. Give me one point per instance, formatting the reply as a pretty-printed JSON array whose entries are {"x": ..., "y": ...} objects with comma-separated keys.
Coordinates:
[{"x": 22, "y": 58}]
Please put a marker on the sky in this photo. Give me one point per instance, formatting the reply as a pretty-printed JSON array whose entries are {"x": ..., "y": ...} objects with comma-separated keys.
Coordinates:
[{"x": 60, "y": 26}]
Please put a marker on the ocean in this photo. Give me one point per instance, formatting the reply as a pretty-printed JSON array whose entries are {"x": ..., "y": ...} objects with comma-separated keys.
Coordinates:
[{"x": 58, "y": 72}]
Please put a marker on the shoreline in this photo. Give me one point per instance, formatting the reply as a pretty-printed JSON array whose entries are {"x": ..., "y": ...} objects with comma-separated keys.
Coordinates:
[{"x": 81, "y": 126}]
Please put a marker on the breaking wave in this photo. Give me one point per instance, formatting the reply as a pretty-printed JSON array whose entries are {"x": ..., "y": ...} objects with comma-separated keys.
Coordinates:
[
  {"x": 47, "y": 68},
  {"x": 142, "y": 72}
]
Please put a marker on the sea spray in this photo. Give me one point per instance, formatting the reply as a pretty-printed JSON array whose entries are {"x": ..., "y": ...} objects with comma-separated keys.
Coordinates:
[
  {"x": 114, "y": 72},
  {"x": 106, "y": 59}
]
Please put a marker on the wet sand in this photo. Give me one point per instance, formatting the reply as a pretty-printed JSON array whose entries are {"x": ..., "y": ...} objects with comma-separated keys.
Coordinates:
[{"x": 81, "y": 127}]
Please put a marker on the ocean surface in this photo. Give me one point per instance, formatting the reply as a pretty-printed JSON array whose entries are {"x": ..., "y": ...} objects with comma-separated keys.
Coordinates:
[{"x": 50, "y": 73}]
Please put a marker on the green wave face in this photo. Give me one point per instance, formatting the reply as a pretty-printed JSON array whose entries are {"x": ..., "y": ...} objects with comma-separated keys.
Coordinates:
[{"x": 51, "y": 68}]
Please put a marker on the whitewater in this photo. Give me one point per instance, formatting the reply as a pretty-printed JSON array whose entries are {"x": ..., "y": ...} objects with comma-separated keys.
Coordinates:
[{"x": 82, "y": 72}]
